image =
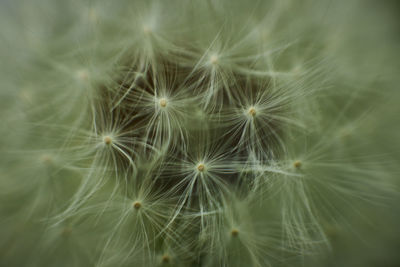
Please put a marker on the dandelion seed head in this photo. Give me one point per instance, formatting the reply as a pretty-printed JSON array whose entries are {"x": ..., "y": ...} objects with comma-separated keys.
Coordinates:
[{"x": 188, "y": 127}]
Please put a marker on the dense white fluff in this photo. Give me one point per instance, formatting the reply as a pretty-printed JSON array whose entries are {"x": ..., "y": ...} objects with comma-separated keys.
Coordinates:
[{"x": 192, "y": 133}]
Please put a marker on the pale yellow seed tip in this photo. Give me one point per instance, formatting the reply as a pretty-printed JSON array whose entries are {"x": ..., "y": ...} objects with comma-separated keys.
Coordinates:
[
  {"x": 137, "y": 205},
  {"x": 146, "y": 29},
  {"x": 214, "y": 59},
  {"x": 163, "y": 102},
  {"x": 252, "y": 111},
  {"x": 297, "y": 164},
  {"x": 107, "y": 140},
  {"x": 83, "y": 75},
  {"x": 201, "y": 167},
  {"x": 26, "y": 96}
]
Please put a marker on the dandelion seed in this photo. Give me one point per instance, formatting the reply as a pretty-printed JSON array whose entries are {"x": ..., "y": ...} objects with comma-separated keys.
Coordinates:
[
  {"x": 297, "y": 164},
  {"x": 163, "y": 102},
  {"x": 200, "y": 167},
  {"x": 146, "y": 29},
  {"x": 107, "y": 140},
  {"x": 252, "y": 111},
  {"x": 82, "y": 75},
  {"x": 214, "y": 59},
  {"x": 46, "y": 159},
  {"x": 137, "y": 205},
  {"x": 26, "y": 96},
  {"x": 235, "y": 232},
  {"x": 165, "y": 258}
]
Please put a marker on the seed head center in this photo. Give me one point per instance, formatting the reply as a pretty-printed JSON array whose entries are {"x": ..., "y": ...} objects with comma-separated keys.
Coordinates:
[
  {"x": 137, "y": 205},
  {"x": 107, "y": 140},
  {"x": 201, "y": 167},
  {"x": 235, "y": 232},
  {"x": 297, "y": 164},
  {"x": 252, "y": 111},
  {"x": 147, "y": 29},
  {"x": 163, "y": 102},
  {"x": 214, "y": 59},
  {"x": 83, "y": 75}
]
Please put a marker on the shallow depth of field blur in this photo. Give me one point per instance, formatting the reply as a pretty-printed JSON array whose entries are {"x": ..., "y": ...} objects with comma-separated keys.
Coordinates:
[{"x": 200, "y": 133}]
